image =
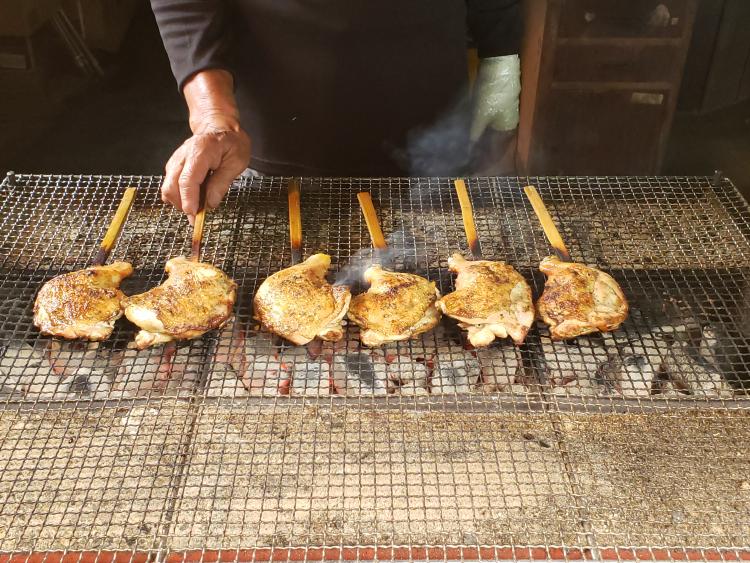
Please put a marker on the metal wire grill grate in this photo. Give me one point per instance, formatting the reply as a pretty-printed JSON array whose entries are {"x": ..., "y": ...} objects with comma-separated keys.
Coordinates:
[{"x": 239, "y": 442}]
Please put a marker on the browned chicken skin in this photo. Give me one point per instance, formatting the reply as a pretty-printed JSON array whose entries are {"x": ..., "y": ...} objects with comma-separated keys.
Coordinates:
[
  {"x": 492, "y": 300},
  {"x": 298, "y": 304},
  {"x": 578, "y": 300},
  {"x": 82, "y": 304},
  {"x": 397, "y": 306},
  {"x": 195, "y": 298}
]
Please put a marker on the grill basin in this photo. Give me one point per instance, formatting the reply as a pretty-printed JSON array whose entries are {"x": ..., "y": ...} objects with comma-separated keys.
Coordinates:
[{"x": 610, "y": 443}]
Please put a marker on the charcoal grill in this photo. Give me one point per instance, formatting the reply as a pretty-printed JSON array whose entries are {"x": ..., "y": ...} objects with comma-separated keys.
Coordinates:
[{"x": 631, "y": 445}]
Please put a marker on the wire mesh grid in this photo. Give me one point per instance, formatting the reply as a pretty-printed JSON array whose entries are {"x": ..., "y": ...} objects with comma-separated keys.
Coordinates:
[{"x": 244, "y": 442}]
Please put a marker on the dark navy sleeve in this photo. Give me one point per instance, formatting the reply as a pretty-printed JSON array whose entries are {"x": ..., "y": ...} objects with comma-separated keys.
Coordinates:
[{"x": 195, "y": 35}]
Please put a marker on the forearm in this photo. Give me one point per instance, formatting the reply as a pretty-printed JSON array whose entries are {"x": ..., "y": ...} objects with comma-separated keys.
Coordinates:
[{"x": 209, "y": 95}]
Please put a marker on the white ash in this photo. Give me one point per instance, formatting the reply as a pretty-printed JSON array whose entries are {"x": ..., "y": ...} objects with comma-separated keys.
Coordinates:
[
  {"x": 85, "y": 369},
  {"x": 639, "y": 358},
  {"x": 25, "y": 372},
  {"x": 309, "y": 377},
  {"x": 572, "y": 366},
  {"x": 501, "y": 369},
  {"x": 407, "y": 372},
  {"x": 359, "y": 374},
  {"x": 692, "y": 373},
  {"x": 610, "y": 364},
  {"x": 455, "y": 372},
  {"x": 665, "y": 389},
  {"x": 167, "y": 369},
  {"x": 248, "y": 357},
  {"x": 406, "y": 376},
  {"x": 718, "y": 348},
  {"x": 224, "y": 381}
]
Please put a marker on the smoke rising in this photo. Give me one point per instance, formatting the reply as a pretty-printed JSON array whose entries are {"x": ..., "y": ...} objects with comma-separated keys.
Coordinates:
[
  {"x": 402, "y": 254},
  {"x": 442, "y": 148}
]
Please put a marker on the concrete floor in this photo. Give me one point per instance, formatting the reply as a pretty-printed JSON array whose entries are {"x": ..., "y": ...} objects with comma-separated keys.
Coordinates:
[{"x": 130, "y": 122}]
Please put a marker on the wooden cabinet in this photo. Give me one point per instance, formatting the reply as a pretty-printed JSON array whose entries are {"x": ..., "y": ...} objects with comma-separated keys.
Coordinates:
[
  {"x": 599, "y": 84},
  {"x": 717, "y": 73}
]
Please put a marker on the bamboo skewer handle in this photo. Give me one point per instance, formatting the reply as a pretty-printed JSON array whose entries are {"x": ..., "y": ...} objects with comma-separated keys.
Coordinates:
[
  {"x": 371, "y": 219},
  {"x": 200, "y": 222},
  {"x": 115, "y": 227},
  {"x": 295, "y": 221},
  {"x": 467, "y": 213},
  {"x": 551, "y": 232}
]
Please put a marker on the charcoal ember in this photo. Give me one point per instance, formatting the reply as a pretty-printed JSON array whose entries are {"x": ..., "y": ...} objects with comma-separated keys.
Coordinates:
[
  {"x": 235, "y": 344},
  {"x": 261, "y": 376},
  {"x": 266, "y": 375},
  {"x": 359, "y": 373},
  {"x": 610, "y": 374},
  {"x": 639, "y": 359},
  {"x": 225, "y": 382},
  {"x": 573, "y": 367},
  {"x": 162, "y": 370},
  {"x": 501, "y": 369},
  {"x": 25, "y": 371},
  {"x": 447, "y": 334},
  {"x": 690, "y": 372},
  {"x": 406, "y": 374},
  {"x": 252, "y": 357},
  {"x": 455, "y": 372},
  {"x": 665, "y": 389},
  {"x": 717, "y": 348},
  {"x": 310, "y": 377},
  {"x": 411, "y": 389},
  {"x": 86, "y": 369}
]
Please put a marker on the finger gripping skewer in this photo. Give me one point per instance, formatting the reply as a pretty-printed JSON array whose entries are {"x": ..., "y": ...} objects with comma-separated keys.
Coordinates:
[{"x": 199, "y": 223}]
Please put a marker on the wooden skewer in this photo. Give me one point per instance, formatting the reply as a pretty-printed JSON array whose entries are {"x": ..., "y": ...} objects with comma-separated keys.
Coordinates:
[
  {"x": 295, "y": 221},
  {"x": 553, "y": 235},
  {"x": 115, "y": 227},
  {"x": 199, "y": 223},
  {"x": 467, "y": 212},
  {"x": 371, "y": 218}
]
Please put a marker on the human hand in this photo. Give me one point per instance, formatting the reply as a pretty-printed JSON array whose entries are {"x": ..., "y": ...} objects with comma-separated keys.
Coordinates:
[{"x": 217, "y": 145}]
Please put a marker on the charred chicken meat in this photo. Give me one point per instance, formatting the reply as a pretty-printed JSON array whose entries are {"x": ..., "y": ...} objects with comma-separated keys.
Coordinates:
[
  {"x": 82, "y": 304},
  {"x": 492, "y": 300},
  {"x": 298, "y": 304},
  {"x": 398, "y": 306},
  {"x": 195, "y": 298},
  {"x": 579, "y": 299}
]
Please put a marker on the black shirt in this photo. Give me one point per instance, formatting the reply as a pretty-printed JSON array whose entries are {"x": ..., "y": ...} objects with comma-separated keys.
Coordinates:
[{"x": 340, "y": 87}]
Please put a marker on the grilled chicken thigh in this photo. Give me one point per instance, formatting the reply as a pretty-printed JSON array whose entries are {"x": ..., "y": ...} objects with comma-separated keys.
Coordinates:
[
  {"x": 397, "y": 306},
  {"x": 492, "y": 300},
  {"x": 82, "y": 304},
  {"x": 578, "y": 300},
  {"x": 195, "y": 298},
  {"x": 298, "y": 304}
]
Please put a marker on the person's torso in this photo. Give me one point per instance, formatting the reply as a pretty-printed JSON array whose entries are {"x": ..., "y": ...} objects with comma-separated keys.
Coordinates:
[{"x": 339, "y": 86}]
